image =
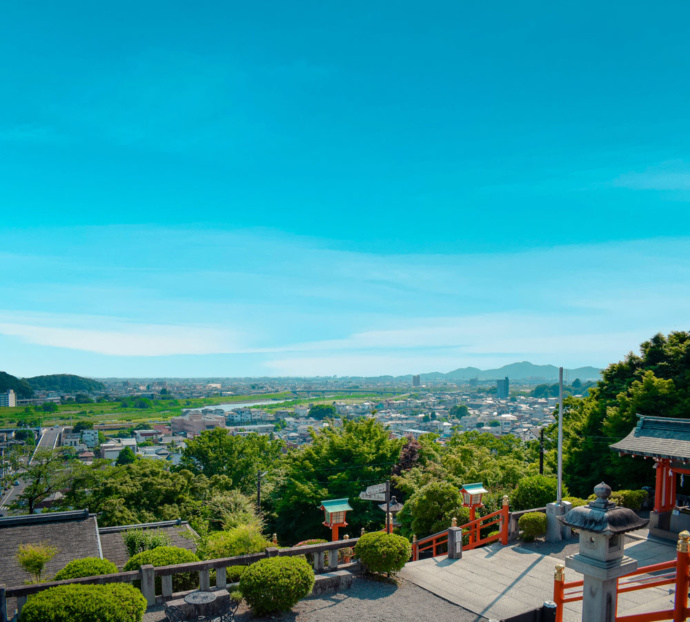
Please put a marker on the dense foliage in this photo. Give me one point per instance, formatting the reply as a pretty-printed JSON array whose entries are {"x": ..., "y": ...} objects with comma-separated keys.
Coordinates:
[
  {"x": 65, "y": 383},
  {"x": 322, "y": 411},
  {"x": 341, "y": 461},
  {"x": 276, "y": 584},
  {"x": 114, "y": 602},
  {"x": 217, "y": 452},
  {"x": 656, "y": 382},
  {"x": 167, "y": 556},
  {"x": 535, "y": 492},
  {"x": 85, "y": 567},
  {"x": 139, "y": 540},
  {"x": 383, "y": 552},
  {"x": 240, "y": 540},
  {"x": 21, "y": 387},
  {"x": 431, "y": 509}
]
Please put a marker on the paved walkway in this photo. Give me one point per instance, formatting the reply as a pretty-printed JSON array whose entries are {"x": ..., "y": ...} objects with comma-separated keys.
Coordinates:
[{"x": 499, "y": 582}]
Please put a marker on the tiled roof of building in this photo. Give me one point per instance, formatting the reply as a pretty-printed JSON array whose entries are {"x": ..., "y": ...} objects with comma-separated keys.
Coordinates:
[
  {"x": 113, "y": 544},
  {"x": 658, "y": 437},
  {"x": 74, "y": 534}
]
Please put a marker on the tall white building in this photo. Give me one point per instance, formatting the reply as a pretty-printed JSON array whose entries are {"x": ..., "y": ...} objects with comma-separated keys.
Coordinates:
[{"x": 8, "y": 399}]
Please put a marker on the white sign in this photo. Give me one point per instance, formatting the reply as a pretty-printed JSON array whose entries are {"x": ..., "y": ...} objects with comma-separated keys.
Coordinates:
[
  {"x": 379, "y": 496},
  {"x": 371, "y": 490}
]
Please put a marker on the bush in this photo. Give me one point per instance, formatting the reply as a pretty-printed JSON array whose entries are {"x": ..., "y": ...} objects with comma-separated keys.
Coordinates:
[
  {"x": 85, "y": 567},
  {"x": 33, "y": 558},
  {"x": 240, "y": 540},
  {"x": 632, "y": 499},
  {"x": 383, "y": 552},
  {"x": 138, "y": 540},
  {"x": 535, "y": 492},
  {"x": 166, "y": 556},
  {"x": 576, "y": 501},
  {"x": 532, "y": 525},
  {"x": 114, "y": 602},
  {"x": 276, "y": 584}
]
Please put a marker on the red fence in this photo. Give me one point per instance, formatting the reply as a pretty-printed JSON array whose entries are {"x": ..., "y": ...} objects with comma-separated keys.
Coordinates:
[
  {"x": 667, "y": 573},
  {"x": 438, "y": 542}
]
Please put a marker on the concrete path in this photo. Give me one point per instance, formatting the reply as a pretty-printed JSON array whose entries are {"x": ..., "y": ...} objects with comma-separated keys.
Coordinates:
[{"x": 499, "y": 582}]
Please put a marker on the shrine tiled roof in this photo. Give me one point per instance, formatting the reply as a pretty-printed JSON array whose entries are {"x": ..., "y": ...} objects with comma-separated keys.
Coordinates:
[{"x": 657, "y": 437}]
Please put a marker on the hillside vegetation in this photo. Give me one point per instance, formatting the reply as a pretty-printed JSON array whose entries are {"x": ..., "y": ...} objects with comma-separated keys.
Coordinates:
[
  {"x": 20, "y": 387},
  {"x": 66, "y": 383}
]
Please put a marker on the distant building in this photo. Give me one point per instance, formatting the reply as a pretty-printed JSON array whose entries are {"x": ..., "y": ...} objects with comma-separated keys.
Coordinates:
[
  {"x": 416, "y": 381},
  {"x": 474, "y": 382},
  {"x": 503, "y": 389},
  {"x": 8, "y": 399}
]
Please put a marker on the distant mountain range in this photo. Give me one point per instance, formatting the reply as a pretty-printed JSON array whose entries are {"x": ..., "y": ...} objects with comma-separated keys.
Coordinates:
[{"x": 515, "y": 371}]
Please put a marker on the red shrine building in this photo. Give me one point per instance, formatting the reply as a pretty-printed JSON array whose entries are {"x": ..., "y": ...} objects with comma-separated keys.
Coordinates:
[{"x": 667, "y": 442}]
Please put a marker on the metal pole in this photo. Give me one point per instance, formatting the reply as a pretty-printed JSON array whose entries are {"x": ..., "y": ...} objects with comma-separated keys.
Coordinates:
[
  {"x": 560, "y": 435},
  {"x": 258, "y": 490},
  {"x": 388, "y": 506},
  {"x": 541, "y": 451}
]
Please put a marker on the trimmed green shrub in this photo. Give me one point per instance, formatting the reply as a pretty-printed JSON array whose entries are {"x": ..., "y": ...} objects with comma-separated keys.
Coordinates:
[
  {"x": 114, "y": 602},
  {"x": 85, "y": 567},
  {"x": 167, "y": 556},
  {"x": 383, "y": 552},
  {"x": 276, "y": 584},
  {"x": 576, "y": 501},
  {"x": 532, "y": 525},
  {"x": 632, "y": 499},
  {"x": 535, "y": 492},
  {"x": 240, "y": 540}
]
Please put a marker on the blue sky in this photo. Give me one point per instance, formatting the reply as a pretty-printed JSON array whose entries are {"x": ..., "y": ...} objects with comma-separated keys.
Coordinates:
[{"x": 274, "y": 188}]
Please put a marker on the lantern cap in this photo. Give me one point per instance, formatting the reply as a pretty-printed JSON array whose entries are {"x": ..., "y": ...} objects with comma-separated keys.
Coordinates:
[
  {"x": 475, "y": 489},
  {"x": 335, "y": 505}
]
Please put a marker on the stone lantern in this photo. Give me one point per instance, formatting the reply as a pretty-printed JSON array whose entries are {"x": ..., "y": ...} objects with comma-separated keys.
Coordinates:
[{"x": 601, "y": 556}]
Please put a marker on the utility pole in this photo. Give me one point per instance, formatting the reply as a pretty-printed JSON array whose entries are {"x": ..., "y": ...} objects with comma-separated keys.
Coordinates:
[
  {"x": 560, "y": 435},
  {"x": 258, "y": 488},
  {"x": 388, "y": 506},
  {"x": 541, "y": 451}
]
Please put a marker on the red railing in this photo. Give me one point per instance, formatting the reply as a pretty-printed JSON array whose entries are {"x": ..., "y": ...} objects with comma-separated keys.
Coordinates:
[
  {"x": 676, "y": 573},
  {"x": 435, "y": 542}
]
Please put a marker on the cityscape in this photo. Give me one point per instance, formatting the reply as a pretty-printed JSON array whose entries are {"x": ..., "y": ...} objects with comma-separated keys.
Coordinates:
[{"x": 321, "y": 312}]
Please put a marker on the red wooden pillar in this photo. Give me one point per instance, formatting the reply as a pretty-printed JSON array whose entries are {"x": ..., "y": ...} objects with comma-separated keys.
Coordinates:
[
  {"x": 473, "y": 527},
  {"x": 660, "y": 484},
  {"x": 680, "y": 608}
]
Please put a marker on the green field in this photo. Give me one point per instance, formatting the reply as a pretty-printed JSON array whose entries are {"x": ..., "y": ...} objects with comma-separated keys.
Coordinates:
[
  {"x": 113, "y": 411},
  {"x": 161, "y": 410}
]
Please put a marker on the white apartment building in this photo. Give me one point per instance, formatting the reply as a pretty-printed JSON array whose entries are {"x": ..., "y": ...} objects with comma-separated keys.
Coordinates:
[{"x": 8, "y": 399}]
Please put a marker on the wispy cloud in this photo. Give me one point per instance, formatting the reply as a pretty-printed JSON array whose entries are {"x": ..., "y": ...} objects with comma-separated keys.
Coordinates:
[{"x": 674, "y": 175}]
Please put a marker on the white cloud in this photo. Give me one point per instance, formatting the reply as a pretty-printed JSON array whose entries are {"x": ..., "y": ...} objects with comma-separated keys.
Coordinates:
[{"x": 124, "y": 339}]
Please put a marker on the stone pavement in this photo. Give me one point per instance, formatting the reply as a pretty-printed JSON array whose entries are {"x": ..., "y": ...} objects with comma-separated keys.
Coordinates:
[{"x": 499, "y": 582}]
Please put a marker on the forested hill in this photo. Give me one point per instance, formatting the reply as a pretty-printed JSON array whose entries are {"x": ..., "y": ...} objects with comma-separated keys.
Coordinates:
[
  {"x": 20, "y": 387},
  {"x": 66, "y": 383}
]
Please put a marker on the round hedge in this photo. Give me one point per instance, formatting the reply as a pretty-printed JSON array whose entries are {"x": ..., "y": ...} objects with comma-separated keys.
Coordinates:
[
  {"x": 276, "y": 584},
  {"x": 114, "y": 602},
  {"x": 85, "y": 567},
  {"x": 383, "y": 552},
  {"x": 532, "y": 525},
  {"x": 167, "y": 556}
]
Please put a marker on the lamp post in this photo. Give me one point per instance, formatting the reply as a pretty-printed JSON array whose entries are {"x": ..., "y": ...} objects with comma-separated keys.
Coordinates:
[
  {"x": 472, "y": 499},
  {"x": 335, "y": 512}
]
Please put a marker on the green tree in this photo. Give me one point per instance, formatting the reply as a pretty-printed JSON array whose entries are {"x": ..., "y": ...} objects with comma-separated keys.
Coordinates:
[
  {"x": 656, "y": 382},
  {"x": 459, "y": 411},
  {"x": 535, "y": 492},
  {"x": 49, "y": 407},
  {"x": 33, "y": 558},
  {"x": 82, "y": 425},
  {"x": 339, "y": 462},
  {"x": 322, "y": 411},
  {"x": 126, "y": 457},
  {"x": 432, "y": 509},
  {"x": 217, "y": 452},
  {"x": 46, "y": 474}
]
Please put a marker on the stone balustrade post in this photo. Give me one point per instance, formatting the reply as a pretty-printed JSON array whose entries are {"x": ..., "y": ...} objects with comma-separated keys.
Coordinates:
[
  {"x": 148, "y": 584},
  {"x": 319, "y": 561},
  {"x": 333, "y": 560},
  {"x": 204, "y": 580},
  {"x": 221, "y": 578},
  {"x": 167, "y": 586},
  {"x": 455, "y": 542}
]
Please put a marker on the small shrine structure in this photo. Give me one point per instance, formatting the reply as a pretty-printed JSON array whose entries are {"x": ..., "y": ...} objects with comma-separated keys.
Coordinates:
[
  {"x": 666, "y": 441},
  {"x": 335, "y": 511}
]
